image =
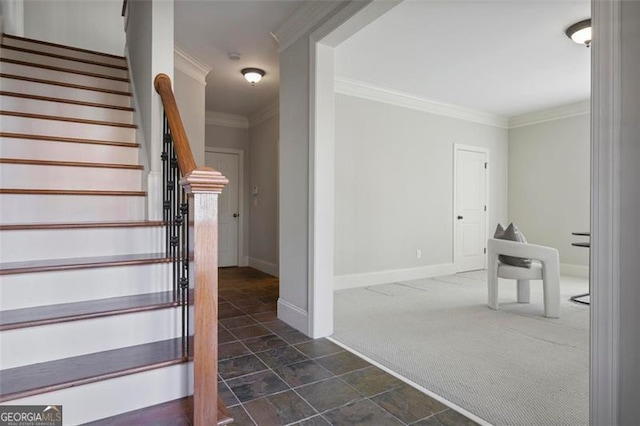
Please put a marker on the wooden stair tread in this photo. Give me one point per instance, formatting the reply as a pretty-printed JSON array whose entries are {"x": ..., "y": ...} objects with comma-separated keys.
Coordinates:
[
  {"x": 29, "y": 162},
  {"x": 224, "y": 416},
  {"x": 64, "y": 101},
  {"x": 7, "y": 268},
  {"x": 64, "y": 57},
  {"x": 17, "y": 191},
  {"x": 67, "y": 119},
  {"x": 176, "y": 412},
  {"x": 80, "y": 225},
  {"x": 63, "y": 84},
  {"x": 20, "y": 382},
  {"x": 48, "y": 43},
  {"x": 65, "y": 312},
  {"x": 61, "y": 69},
  {"x": 70, "y": 140}
]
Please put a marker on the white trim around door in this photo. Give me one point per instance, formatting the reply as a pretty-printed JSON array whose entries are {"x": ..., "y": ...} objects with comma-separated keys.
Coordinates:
[
  {"x": 242, "y": 259},
  {"x": 606, "y": 83}
]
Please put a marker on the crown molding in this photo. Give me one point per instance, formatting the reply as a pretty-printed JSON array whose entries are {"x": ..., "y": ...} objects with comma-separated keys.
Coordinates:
[
  {"x": 375, "y": 93},
  {"x": 264, "y": 114},
  {"x": 190, "y": 65},
  {"x": 226, "y": 120},
  {"x": 302, "y": 20},
  {"x": 550, "y": 114}
]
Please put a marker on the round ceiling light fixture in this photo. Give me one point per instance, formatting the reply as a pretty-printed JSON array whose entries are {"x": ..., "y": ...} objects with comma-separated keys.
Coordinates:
[
  {"x": 580, "y": 32},
  {"x": 253, "y": 75}
]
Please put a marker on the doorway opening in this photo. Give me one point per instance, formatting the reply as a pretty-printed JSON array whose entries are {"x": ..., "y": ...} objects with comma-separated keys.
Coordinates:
[{"x": 393, "y": 263}]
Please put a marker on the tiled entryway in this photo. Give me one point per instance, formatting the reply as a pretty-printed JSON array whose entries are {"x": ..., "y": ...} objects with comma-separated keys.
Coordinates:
[{"x": 270, "y": 374}]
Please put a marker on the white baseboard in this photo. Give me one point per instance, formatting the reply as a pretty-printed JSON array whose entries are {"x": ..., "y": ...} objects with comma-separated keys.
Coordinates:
[
  {"x": 244, "y": 261},
  {"x": 343, "y": 282},
  {"x": 581, "y": 271},
  {"x": 264, "y": 266},
  {"x": 293, "y": 315}
]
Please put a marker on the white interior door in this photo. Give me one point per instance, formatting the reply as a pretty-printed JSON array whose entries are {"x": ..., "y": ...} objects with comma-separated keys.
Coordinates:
[
  {"x": 228, "y": 206},
  {"x": 470, "y": 207}
]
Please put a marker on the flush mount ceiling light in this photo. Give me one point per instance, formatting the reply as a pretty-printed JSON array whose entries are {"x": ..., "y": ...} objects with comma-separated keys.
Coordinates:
[
  {"x": 580, "y": 32},
  {"x": 252, "y": 75}
]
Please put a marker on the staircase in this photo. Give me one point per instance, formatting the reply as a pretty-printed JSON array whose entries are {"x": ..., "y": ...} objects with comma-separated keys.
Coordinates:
[{"x": 88, "y": 317}]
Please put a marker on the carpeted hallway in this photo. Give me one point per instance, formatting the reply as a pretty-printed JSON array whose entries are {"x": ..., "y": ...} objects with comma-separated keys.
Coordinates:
[{"x": 509, "y": 367}]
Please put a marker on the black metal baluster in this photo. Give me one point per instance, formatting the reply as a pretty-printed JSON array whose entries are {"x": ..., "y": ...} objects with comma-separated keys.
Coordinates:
[
  {"x": 174, "y": 230},
  {"x": 184, "y": 268},
  {"x": 175, "y": 207},
  {"x": 166, "y": 144}
]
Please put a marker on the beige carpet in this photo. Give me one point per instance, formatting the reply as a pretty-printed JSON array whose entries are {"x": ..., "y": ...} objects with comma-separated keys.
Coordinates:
[{"x": 508, "y": 367}]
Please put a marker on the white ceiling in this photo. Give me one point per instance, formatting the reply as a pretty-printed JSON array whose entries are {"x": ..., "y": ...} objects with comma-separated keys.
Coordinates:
[
  {"x": 210, "y": 30},
  {"x": 504, "y": 57}
]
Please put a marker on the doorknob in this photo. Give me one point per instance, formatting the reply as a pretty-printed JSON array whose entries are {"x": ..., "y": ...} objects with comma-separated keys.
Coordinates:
[
  {"x": 460, "y": 218},
  {"x": 236, "y": 215}
]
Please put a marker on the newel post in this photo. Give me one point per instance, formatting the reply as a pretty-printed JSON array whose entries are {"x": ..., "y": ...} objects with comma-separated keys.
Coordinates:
[{"x": 204, "y": 185}]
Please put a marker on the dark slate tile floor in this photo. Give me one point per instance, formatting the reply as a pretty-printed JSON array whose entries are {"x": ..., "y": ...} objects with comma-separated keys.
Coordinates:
[{"x": 271, "y": 374}]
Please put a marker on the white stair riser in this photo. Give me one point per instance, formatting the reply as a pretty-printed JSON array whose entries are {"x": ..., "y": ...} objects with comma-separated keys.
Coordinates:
[
  {"x": 62, "y": 63},
  {"x": 62, "y": 51},
  {"x": 43, "y": 244},
  {"x": 88, "y": 336},
  {"x": 119, "y": 395},
  {"x": 61, "y": 109},
  {"x": 21, "y": 176},
  {"x": 66, "y": 129},
  {"x": 65, "y": 77},
  {"x": 19, "y": 208},
  {"x": 79, "y": 285},
  {"x": 51, "y": 90},
  {"x": 33, "y": 149}
]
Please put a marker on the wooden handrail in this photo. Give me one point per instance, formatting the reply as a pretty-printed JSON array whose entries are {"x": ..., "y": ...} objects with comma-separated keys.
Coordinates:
[
  {"x": 203, "y": 184},
  {"x": 186, "y": 162}
]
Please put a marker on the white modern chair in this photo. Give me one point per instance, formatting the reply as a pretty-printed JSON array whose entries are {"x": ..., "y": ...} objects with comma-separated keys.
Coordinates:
[{"x": 545, "y": 267}]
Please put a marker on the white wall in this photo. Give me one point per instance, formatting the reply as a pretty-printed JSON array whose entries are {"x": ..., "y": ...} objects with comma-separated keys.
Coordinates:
[
  {"x": 259, "y": 143},
  {"x": 227, "y": 137},
  {"x": 189, "y": 95},
  {"x": 12, "y": 17},
  {"x": 217, "y": 136},
  {"x": 149, "y": 35},
  {"x": 394, "y": 184},
  {"x": 549, "y": 185},
  {"x": 263, "y": 170},
  {"x": 94, "y": 24},
  {"x": 294, "y": 184},
  {"x": 139, "y": 58}
]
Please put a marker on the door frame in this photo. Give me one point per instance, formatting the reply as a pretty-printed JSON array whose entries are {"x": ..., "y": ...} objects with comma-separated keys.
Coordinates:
[
  {"x": 605, "y": 189},
  {"x": 242, "y": 260},
  {"x": 462, "y": 147}
]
